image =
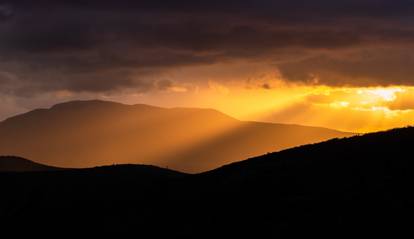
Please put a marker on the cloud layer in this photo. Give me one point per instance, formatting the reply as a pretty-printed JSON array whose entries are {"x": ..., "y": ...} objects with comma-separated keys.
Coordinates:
[{"x": 104, "y": 46}]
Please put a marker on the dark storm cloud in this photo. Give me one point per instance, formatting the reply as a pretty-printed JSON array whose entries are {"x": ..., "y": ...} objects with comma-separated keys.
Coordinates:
[
  {"x": 373, "y": 67},
  {"x": 6, "y": 12},
  {"x": 102, "y": 45}
]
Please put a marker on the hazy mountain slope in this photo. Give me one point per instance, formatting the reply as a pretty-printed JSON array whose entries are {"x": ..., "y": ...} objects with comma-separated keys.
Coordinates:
[
  {"x": 248, "y": 139},
  {"x": 355, "y": 186},
  {"x": 17, "y": 164},
  {"x": 91, "y": 133}
]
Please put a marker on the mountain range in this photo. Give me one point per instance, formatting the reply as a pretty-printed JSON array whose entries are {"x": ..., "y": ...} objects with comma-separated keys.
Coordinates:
[{"x": 81, "y": 134}]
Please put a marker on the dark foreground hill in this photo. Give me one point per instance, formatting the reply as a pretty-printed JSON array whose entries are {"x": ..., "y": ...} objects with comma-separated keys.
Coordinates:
[
  {"x": 17, "y": 164},
  {"x": 81, "y": 134},
  {"x": 360, "y": 186}
]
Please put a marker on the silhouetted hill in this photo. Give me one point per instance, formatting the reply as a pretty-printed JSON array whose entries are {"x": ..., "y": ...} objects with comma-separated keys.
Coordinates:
[
  {"x": 83, "y": 134},
  {"x": 144, "y": 172},
  {"x": 359, "y": 186},
  {"x": 17, "y": 164}
]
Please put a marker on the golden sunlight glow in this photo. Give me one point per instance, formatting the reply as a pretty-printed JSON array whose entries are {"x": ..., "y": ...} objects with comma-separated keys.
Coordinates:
[
  {"x": 268, "y": 97},
  {"x": 387, "y": 94},
  {"x": 352, "y": 109}
]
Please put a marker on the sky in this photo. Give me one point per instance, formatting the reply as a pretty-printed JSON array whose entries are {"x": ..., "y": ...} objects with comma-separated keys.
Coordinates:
[{"x": 346, "y": 65}]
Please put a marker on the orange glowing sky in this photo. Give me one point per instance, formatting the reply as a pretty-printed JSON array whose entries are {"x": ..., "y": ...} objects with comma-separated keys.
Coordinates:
[
  {"x": 263, "y": 95},
  {"x": 252, "y": 91},
  {"x": 259, "y": 93},
  {"x": 348, "y": 109}
]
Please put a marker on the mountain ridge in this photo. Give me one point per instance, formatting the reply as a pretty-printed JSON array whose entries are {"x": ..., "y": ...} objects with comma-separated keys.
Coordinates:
[{"x": 83, "y": 134}]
